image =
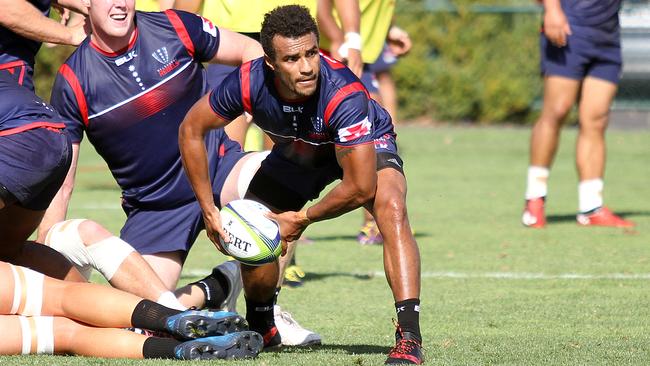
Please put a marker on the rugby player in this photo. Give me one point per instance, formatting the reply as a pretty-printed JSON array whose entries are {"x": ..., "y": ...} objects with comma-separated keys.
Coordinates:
[
  {"x": 128, "y": 87},
  {"x": 24, "y": 25},
  {"x": 62, "y": 317},
  {"x": 581, "y": 62},
  {"x": 325, "y": 127}
]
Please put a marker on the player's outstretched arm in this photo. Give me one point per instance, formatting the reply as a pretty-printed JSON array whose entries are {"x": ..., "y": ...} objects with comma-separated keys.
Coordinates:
[
  {"x": 25, "y": 19},
  {"x": 357, "y": 187},
  {"x": 191, "y": 141},
  {"x": 59, "y": 206},
  {"x": 345, "y": 42},
  {"x": 236, "y": 49}
]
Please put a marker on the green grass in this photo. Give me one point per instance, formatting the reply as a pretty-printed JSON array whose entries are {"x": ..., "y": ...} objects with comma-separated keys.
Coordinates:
[{"x": 558, "y": 301}]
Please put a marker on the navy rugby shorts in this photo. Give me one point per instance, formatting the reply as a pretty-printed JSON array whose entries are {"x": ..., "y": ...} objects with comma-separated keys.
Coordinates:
[
  {"x": 581, "y": 57},
  {"x": 33, "y": 165}
]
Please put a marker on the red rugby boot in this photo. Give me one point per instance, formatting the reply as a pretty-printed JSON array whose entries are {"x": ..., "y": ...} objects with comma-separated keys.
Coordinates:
[
  {"x": 603, "y": 217},
  {"x": 534, "y": 213}
]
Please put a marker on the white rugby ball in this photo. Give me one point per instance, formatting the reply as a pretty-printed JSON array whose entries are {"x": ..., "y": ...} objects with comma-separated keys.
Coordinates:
[{"x": 254, "y": 238}]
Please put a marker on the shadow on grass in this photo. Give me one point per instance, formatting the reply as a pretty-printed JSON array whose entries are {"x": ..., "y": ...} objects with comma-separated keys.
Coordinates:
[
  {"x": 351, "y": 349},
  {"x": 572, "y": 217},
  {"x": 321, "y": 276},
  {"x": 324, "y": 238}
]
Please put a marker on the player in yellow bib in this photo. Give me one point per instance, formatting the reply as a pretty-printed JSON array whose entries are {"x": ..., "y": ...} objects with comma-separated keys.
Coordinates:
[{"x": 154, "y": 5}]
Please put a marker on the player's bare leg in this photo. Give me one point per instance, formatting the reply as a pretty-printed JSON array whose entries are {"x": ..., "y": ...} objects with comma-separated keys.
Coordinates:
[
  {"x": 401, "y": 263},
  {"x": 596, "y": 99},
  {"x": 16, "y": 225},
  {"x": 89, "y": 245},
  {"x": 237, "y": 129},
  {"x": 560, "y": 95}
]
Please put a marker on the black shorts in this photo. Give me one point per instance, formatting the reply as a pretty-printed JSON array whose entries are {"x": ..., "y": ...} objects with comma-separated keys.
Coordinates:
[{"x": 33, "y": 165}]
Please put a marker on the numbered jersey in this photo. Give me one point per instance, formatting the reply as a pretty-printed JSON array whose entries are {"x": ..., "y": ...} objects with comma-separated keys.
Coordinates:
[{"x": 131, "y": 103}]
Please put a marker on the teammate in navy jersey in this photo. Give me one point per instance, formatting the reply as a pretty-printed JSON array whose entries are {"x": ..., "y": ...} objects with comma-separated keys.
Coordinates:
[
  {"x": 34, "y": 158},
  {"x": 325, "y": 128},
  {"x": 580, "y": 58},
  {"x": 128, "y": 87},
  {"x": 24, "y": 24}
]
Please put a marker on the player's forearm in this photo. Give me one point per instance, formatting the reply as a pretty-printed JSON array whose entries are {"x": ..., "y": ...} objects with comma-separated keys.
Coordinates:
[
  {"x": 340, "y": 200},
  {"x": 26, "y": 20},
  {"x": 552, "y": 5},
  {"x": 350, "y": 15},
  {"x": 326, "y": 23},
  {"x": 195, "y": 162},
  {"x": 58, "y": 208}
]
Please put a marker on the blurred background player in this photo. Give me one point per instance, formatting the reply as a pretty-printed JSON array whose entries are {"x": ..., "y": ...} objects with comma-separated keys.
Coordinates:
[
  {"x": 325, "y": 128},
  {"x": 128, "y": 87},
  {"x": 24, "y": 25},
  {"x": 154, "y": 5},
  {"x": 581, "y": 61},
  {"x": 380, "y": 45},
  {"x": 42, "y": 315}
]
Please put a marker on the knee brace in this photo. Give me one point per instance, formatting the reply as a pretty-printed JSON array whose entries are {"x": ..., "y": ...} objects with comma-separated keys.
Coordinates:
[
  {"x": 28, "y": 291},
  {"x": 37, "y": 334},
  {"x": 105, "y": 256}
]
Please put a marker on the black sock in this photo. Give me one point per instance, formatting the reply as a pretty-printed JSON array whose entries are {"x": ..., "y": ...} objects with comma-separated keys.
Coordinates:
[
  {"x": 215, "y": 287},
  {"x": 155, "y": 347},
  {"x": 150, "y": 315},
  {"x": 260, "y": 315},
  {"x": 408, "y": 316}
]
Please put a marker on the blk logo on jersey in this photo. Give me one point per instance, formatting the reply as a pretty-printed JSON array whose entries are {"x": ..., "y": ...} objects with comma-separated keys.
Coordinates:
[
  {"x": 291, "y": 109},
  {"x": 161, "y": 55},
  {"x": 355, "y": 131},
  {"x": 126, "y": 58}
]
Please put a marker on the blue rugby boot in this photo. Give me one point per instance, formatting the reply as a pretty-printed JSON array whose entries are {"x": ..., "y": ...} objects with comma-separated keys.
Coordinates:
[
  {"x": 192, "y": 324},
  {"x": 232, "y": 346}
]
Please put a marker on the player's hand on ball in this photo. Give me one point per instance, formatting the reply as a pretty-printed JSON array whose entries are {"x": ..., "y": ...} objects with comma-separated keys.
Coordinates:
[
  {"x": 291, "y": 223},
  {"x": 215, "y": 230}
]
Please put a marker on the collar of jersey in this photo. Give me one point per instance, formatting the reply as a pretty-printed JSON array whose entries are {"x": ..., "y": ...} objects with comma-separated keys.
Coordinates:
[{"x": 120, "y": 51}]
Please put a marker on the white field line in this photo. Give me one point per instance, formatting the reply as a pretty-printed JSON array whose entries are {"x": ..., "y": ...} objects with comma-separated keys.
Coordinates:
[{"x": 483, "y": 275}]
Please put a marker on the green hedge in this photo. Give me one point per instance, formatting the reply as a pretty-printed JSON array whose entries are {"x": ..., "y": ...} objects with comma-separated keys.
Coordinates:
[{"x": 469, "y": 64}]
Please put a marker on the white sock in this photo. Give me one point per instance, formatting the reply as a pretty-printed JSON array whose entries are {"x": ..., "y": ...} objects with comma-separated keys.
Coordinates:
[
  {"x": 169, "y": 300},
  {"x": 590, "y": 194},
  {"x": 537, "y": 182}
]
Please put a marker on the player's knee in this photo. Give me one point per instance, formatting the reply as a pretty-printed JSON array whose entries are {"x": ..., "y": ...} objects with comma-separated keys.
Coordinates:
[
  {"x": 392, "y": 207},
  {"x": 37, "y": 334},
  {"x": 594, "y": 122},
  {"x": 556, "y": 112},
  {"x": 88, "y": 245},
  {"x": 28, "y": 291}
]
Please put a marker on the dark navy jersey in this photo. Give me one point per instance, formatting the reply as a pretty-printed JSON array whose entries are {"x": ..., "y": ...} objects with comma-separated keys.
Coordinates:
[
  {"x": 594, "y": 19},
  {"x": 21, "y": 109},
  {"x": 339, "y": 113},
  {"x": 131, "y": 103},
  {"x": 17, "y": 53}
]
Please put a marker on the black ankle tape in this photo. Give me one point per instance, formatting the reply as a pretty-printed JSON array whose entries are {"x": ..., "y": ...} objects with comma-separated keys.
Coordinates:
[{"x": 150, "y": 315}]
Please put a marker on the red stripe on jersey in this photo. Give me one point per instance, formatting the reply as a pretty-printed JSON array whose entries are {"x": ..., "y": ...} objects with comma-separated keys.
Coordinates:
[
  {"x": 245, "y": 77},
  {"x": 222, "y": 150},
  {"x": 178, "y": 25},
  {"x": 22, "y": 75},
  {"x": 11, "y": 65},
  {"x": 71, "y": 78},
  {"x": 332, "y": 62},
  {"x": 31, "y": 126},
  {"x": 339, "y": 96}
]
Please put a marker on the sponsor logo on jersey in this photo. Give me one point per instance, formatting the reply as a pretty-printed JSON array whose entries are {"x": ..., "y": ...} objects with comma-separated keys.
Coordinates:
[
  {"x": 126, "y": 58},
  {"x": 355, "y": 131},
  {"x": 209, "y": 28},
  {"x": 162, "y": 56},
  {"x": 291, "y": 109}
]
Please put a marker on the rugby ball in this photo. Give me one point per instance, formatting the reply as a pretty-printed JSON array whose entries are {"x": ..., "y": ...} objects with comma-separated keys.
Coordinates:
[{"x": 254, "y": 238}]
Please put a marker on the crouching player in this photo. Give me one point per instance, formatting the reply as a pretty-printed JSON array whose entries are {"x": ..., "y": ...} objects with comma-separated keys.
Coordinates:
[
  {"x": 325, "y": 127},
  {"x": 42, "y": 315}
]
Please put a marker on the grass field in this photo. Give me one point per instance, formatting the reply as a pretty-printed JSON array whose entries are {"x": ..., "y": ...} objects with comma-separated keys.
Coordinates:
[{"x": 493, "y": 292}]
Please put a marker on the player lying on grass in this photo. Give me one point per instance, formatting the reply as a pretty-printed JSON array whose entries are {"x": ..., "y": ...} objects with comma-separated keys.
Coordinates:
[
  {"x": 325, "y": 128},
  {"x": 42, "y": 315}
]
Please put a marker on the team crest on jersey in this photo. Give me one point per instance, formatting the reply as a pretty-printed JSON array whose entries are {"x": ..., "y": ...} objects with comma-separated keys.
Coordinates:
[
  {"x": 355, "y": 131},
  {"x": 162, "y": 56},
  {"x": 318, "y": 124},
  {"x": 209, "y": 28}
]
